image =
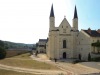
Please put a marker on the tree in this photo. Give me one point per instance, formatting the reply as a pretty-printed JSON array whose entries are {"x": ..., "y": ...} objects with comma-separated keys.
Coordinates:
[
  {"x": 96, "y": 44},
  {"x": 2, "y": 50},
  {"x": 89, "y": 57},
  {"x": 1, "y": 44},
  {"x": 2, "y": 53}
]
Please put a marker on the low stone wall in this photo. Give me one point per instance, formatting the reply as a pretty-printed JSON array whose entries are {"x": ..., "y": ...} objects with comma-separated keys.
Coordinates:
[{"x": 11, "y": 53}]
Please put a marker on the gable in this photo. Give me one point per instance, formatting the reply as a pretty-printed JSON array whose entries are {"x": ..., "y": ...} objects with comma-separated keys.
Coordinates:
[{"x": 64, "y": 27}]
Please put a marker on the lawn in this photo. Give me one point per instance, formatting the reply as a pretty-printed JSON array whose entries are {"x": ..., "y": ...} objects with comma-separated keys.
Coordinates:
[
  {"x": 23, "y": 62},
  {"x": 9, "y": 72}
]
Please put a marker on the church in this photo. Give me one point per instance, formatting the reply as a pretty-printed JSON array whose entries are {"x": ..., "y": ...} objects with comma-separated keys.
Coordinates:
[{"x": 66, "y": 42}]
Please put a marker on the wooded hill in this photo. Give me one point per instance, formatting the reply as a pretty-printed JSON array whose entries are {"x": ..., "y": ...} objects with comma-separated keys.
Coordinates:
[{"x": 12, "y": 45}]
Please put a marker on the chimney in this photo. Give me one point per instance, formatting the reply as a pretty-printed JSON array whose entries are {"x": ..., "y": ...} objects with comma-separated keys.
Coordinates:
[
  {"x": 89, "y": 30},
  {"x": 98, "y": 30}
]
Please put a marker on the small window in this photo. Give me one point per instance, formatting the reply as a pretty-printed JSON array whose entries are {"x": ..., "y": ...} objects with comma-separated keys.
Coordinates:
[{"x": 64, "y": 43}]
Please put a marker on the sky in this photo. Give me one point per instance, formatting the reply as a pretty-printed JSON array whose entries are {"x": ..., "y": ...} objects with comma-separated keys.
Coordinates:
[{"x": 27, "y": 21}]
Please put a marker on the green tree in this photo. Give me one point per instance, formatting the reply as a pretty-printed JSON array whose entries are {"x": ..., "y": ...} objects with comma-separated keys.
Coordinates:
[
  {"x": 1, "y": 44},
  {"x": 2, "y": 53},
  {"x": 96, "y": 44},
  {"x": 2, "y": 50}
]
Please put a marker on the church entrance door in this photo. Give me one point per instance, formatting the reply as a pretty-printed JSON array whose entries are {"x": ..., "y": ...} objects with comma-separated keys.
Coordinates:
[{"x": 64, "y": 55}]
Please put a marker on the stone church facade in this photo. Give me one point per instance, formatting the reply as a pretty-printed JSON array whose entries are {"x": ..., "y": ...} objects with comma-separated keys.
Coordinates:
[{"x": 66, "y": 42}]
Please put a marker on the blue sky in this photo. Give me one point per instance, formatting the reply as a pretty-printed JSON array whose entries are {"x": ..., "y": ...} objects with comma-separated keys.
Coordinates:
[
  {"x": 25, "y": 21},
  {"x": 88, "y": 13}
]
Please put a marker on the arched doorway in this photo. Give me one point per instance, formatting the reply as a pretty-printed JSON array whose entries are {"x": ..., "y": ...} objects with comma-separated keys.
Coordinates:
[{"x": 64, "y": 55}]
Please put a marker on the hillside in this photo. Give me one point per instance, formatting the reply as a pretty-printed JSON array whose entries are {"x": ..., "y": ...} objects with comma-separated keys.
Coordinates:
[{"x": 12, "y": 45}]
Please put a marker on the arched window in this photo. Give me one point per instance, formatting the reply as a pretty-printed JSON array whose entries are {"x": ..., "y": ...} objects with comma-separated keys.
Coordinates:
[
  {"x": 64, "y": 55},
  {"x": 64, "y": 43}
]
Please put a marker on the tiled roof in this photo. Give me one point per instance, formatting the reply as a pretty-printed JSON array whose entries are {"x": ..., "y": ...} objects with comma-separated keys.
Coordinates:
[{"x": 92, "y": 33}]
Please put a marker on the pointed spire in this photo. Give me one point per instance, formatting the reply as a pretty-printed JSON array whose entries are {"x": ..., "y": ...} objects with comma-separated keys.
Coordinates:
[
  {"x": 75, "y": 13},
  {"x": 52, "y": 12}
]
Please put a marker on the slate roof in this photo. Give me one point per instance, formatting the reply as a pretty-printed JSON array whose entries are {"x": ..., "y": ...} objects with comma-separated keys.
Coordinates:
[
  {"x": 75, "y": 13},
  {"x": 92, "y": 33}
]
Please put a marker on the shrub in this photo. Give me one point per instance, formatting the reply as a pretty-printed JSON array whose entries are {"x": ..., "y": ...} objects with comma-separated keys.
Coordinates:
[{"x": 97, "y": 59}]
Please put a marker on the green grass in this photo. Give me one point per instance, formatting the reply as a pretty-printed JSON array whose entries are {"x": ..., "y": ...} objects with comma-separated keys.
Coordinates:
[
  {"x": 9, "y": 72},
  {"x": 25, "y": 62}
]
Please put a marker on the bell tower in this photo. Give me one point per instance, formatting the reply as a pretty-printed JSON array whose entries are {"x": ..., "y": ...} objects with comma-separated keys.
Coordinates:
[
  {"x": 75, "y": 20},
  {"x": 51, "y": 19}
]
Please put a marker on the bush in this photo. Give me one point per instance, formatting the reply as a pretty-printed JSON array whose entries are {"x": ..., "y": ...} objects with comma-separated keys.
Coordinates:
[
  {"x": 97, "y": 59},
  {"x": 2, "y": 53}
]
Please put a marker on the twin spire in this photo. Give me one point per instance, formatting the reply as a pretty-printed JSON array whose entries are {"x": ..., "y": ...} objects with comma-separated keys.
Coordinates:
[
  {"x": 52, "y": 12},
  {"x": 75, "y": 13}
]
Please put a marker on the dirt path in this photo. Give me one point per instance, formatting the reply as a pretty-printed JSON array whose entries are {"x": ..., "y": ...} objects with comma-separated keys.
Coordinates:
[
  {"x": 66, "y": 68},
  {"x": 46, "y": 60},
  {"x": 72, "y": 69},
  {"x": 33, "y": 71},
  {"x": 78, "y": 69}
]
